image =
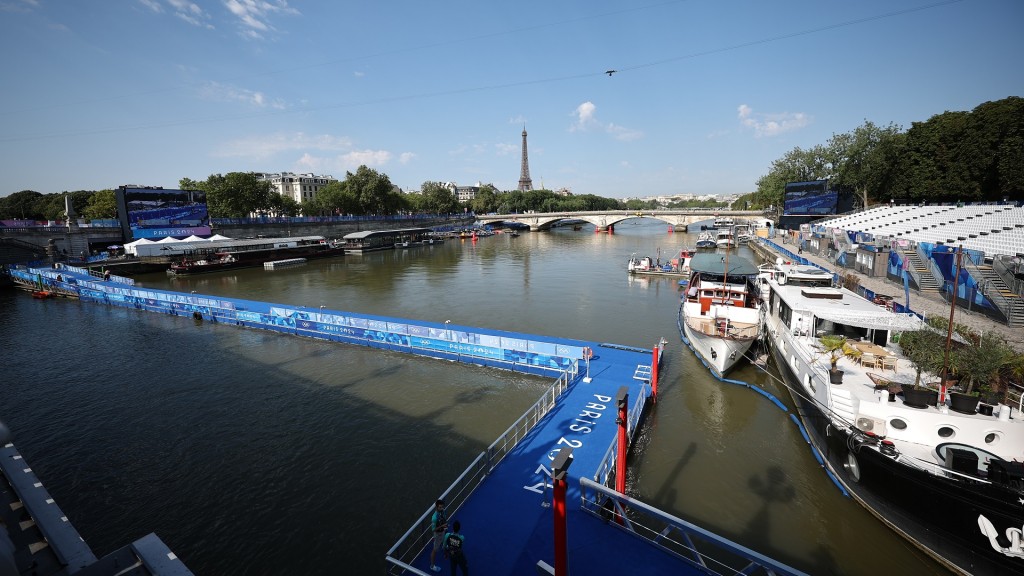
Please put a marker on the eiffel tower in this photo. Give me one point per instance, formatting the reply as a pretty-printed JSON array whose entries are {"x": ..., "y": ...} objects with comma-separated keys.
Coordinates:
[{"x": 524, "y": 171}]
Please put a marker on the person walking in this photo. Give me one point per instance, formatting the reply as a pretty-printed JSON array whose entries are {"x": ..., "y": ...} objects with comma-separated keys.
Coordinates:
[
  {"x": 453, "y": 548},
  {"x": 439, "y": 524}
]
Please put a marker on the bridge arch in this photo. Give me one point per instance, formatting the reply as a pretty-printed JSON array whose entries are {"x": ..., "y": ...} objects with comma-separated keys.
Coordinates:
[{"x": 603, "y": 219}]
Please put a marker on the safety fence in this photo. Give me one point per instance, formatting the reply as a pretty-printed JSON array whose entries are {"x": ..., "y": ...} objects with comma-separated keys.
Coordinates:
[
  {"x": 693, "y": 545},
  {"x": 419, "y": 536}
]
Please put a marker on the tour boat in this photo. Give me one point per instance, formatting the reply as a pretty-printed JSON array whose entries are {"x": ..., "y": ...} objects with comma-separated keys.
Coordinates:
[
  {"x": 951, "y": 483},
  {"x": 720, "y": 316}
]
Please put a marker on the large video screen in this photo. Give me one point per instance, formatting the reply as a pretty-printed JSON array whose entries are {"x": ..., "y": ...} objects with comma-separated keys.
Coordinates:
[
  {"x": 809, "y": 199},
  {"x": 158, "y": 213}
]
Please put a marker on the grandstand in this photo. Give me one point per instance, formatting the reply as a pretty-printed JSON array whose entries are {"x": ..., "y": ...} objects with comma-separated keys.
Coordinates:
[{"x": 995, "y": 230}]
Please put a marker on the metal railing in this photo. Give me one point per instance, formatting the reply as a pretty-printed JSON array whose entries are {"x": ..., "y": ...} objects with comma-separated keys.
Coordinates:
[
  {"x": 420, "y": 535},
  {"x": 696, "y": 546}
]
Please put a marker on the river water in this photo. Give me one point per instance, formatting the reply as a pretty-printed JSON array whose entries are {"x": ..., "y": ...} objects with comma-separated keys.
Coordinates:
[{"x": 251, "y": 452}]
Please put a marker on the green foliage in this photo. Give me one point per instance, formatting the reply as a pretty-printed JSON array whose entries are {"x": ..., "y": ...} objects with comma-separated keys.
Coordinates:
[
  {"x": 436, "y": 198},
  {"x": 237, "y": 195},
  {"x": 486, "y": 201},
  {"x": 952, "y": 156},
  {"x": 102, "y": 204},
  {"x": 979, "y": 363},
  {"x": 836, "y": 347},
  {"x": 925, "y": 350}
]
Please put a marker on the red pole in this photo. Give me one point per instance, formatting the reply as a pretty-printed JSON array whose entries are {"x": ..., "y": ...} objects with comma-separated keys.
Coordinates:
[
  {"x": 622, "y": 399},
  {"x": 654, "y": 373},
  {"x": 558, "y": 471}
]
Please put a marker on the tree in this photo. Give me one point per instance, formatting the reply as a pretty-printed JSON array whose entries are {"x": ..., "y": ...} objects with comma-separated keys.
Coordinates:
[
  {"x": 102, "y": 204},
  {"x": 797, "y": 165},
  {"x": 20, "y": 205},
  {"x": 437, "y": 198},
  {"x": 980, "y": 362},
  {"x": 924, "y": 349},
  {"x": 486, "y": 201},
  {"x": 334, "y": 199},
  {"x": 238, "y": 195},
  {"x": 282, "y": 205},
  {"x": 374, "y": 190},
  {"x": 860, "y": 159}
]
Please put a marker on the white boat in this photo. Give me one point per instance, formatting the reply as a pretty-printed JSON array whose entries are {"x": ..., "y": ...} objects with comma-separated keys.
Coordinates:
[
  {"x": 679, "y": 266},
  {"x": 720, "y": 315},
  {"x": 742, "y": 234},
  {"x": 723, "y": 222},
  {"x": 705, "y": 240},
  {"x": 951, "y": 483},
  {"x": 725, "y": 239}
]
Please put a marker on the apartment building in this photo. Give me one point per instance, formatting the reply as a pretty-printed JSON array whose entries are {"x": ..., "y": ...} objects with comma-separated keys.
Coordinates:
[{"x": 299, "y": 187}]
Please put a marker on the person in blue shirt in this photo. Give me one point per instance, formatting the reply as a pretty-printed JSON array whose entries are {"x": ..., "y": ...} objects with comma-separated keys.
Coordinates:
[
  {"x": 453, "y": 549},
  {"x": 439, "y": 524}
]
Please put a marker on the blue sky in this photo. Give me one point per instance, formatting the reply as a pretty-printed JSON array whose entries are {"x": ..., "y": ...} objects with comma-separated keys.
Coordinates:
[{"x": 706, "y": 95}]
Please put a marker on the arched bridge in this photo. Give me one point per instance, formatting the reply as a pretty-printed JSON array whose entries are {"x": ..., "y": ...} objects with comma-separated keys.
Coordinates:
[{"x": 602, "y": 220}]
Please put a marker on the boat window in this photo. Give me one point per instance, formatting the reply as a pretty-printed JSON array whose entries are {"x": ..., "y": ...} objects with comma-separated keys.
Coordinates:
[
  {"x": 945, "y": 432},
  {"x": 900, "y": 424},
  {"x": 785, "y": 313},
  {"x": 709, "y": 293},
  {"x": 991, "y": 438}
]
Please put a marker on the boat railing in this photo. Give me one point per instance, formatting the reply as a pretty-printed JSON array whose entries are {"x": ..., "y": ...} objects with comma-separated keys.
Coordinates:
[
  {"x": 420, "y": 535},
  {"x": 704, "y": 550},
  {"x": 606, "y": 466},
  {"x": 709, "y": 327}
]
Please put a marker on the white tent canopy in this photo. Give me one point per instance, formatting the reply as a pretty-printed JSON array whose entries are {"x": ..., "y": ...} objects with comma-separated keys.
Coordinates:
[
  {"x": 219, "y": 237},
  {"x": 878, "y": 320},
  {"x": 131, "y": 247}
]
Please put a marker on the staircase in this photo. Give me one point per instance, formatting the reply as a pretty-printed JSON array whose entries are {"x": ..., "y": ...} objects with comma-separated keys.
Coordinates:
[
  {"x": 926, "y": 283},
  {"x": 1008, "y": 302}
]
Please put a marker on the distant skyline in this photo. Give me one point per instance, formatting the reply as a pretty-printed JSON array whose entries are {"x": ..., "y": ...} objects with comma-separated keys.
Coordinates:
[{"x": 619, "y": 99}]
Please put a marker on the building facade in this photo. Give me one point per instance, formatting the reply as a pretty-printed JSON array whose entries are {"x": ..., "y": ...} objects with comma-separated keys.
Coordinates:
[{"x": 298, "y": 187}]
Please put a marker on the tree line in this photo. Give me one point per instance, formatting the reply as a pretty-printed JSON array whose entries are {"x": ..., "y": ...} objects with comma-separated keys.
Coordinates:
[
  {"x": 364, "y": 192},
  {"x": 951, "y": 157}
]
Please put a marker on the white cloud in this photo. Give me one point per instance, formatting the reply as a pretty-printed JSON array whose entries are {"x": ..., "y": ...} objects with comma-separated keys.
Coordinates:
[
  {"x": 186, "y": 11},
  {"x": 318, "y": 153},
  {"x": 218, "y": 92},
  {"x": 586, "y": 119},
  {"x": 265, "y": 147},
  {"x": 22, "y": 6},
  {"x": 152, "y": 5},
  {"x": 584, "y": 115},
  {"x": 406, "y": 157},
  {"x": 506, "y": 149},
  {"x": 254, "y": 15},
  {"x": 765, "y": 124}
]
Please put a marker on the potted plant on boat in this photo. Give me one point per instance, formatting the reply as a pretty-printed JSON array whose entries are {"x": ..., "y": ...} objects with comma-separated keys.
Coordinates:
[
  {"x": 836, "y": 347},
  {"x": 978, "y": 366},
  {"x": 924, "y": 350}
]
